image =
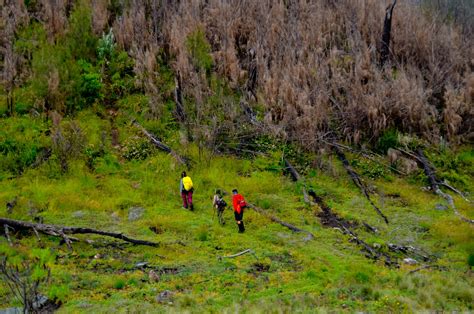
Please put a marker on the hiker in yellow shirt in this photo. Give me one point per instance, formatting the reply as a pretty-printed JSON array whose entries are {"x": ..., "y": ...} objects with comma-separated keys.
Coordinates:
[{"x": 186, "y": 189}]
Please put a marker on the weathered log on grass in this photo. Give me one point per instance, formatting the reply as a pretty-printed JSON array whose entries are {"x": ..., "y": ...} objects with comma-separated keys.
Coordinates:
[
  {"x": 279, "y": 221},
  {"x": 295, "y": 176},
  {"x": 357, "y": 181},
  {"x": 434, "y": 185},
  {"x": 64, "y": 231},
  {"x": 160, "y": 145}
]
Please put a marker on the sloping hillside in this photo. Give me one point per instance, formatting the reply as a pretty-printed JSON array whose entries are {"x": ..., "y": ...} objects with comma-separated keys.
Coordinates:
[{"x": 357, "y": 165}]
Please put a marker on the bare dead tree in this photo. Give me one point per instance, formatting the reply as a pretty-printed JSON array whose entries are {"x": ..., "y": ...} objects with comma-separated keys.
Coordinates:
[
  {"x": 178, "y": 98},
  {"x": 22, "y": 284},
  {"x": 9, "y": 72},
  {"x": 386, "y": 34}
]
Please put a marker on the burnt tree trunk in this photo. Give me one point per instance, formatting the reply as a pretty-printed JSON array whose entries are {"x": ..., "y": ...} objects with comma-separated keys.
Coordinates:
[
  {"x": 281, "y": 222},
  {"x": 386, "y": 34},
  {"x": 158, "y": 144},
  {"x": 178, "y": 98}
]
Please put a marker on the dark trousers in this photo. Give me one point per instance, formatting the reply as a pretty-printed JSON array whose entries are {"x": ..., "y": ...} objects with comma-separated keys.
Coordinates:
[
  {"x": 187, "y": 197},
  {"x": 239, "y": 218}
]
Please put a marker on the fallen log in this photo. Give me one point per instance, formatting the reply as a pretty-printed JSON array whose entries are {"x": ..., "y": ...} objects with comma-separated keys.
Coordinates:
[
  {"x": 366, "y": 155},
  {"x": 160, "y": 145},
  {"x": 295, "y": 176},
  {"x": 434, "y": 185},
  {"x": 64, "y": 231},
  {"x": 357, "y": 181},
  {"x": 281, "y": 222},
  {"x": 426, "y": 267}
]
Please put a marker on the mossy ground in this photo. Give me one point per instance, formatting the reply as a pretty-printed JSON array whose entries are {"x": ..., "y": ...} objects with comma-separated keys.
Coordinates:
[{"x": 287, "y": 272}]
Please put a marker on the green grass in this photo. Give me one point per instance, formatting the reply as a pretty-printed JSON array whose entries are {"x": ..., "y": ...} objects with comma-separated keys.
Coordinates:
[{"x": 329, "y": 273}]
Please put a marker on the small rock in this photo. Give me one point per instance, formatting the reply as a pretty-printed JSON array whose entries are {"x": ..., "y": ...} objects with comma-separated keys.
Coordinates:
[
  {"x": 135, "y": 213},
  {"x": 165, "y": 296},
  {"x": 376, "y": 246},
  {"x": 40, "y": 301},
  {"x": 441, "y": 207},
  {"x": 78, "y": 214},
  {"x": 141, "y": 264},
  {"x": 153, "y": 276},
  {"x": 410, "y": 261},
  {"x": 115, "y": 216}
]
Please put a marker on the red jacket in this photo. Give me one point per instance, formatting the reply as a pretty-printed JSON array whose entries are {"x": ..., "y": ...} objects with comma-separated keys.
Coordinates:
[{"x": 239, "y": 203}]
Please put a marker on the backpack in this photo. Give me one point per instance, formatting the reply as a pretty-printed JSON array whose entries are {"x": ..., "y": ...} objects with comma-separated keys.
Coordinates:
[
  {"x": 221, "y": 203},
  {"x": 187, "y": 183}
]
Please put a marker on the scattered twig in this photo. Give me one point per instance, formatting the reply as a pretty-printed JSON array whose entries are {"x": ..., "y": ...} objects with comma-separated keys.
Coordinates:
[
  {"x": 37, "y": 234},
  {"x": 425, "y": 267},
  {"x": 7, "y": 235},
  {"x": 281, "y": 222},
  {"x": 239, "y": 254}
]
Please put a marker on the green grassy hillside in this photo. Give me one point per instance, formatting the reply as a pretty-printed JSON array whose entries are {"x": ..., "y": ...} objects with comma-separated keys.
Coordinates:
[{"x": 287, "y": 273}]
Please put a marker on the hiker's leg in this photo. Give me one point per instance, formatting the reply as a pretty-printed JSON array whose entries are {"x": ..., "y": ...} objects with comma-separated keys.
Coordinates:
[
  {"x": 190, "y": 199},
  {"x": 242, "y": 227},
  {"x": 185, "y": 201},
  {"x": 220, "y": 215},
  {"x": 236, "y": 218}
]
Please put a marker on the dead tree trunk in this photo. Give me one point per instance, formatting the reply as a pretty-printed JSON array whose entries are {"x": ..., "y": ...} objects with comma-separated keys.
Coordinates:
[
  {"x": 357, "y": 181},
  {"x": 64, "y": 231},
  {"x": 295, "y": 176},
  {"x": 178, "y": 98},
  {"x": 160, "y": 145},
  {"x": 281, "y": 222},
  {"x": 252, "y": 76},
  {"x": 387, "y": 29}
]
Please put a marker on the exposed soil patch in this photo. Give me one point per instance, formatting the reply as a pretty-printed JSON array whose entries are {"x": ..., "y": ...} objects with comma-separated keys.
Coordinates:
[
  {"x": 328, "y": 217},
  {"x": 259, "y": 267},
  {"x": 156, "y": 229}
]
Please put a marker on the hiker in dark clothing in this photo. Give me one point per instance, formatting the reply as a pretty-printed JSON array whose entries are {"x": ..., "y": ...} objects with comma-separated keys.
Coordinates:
[
  {"x": 186, "y": 189},
  {"x": 219, "y": 206},
  {"x": 239, "y": 204}
]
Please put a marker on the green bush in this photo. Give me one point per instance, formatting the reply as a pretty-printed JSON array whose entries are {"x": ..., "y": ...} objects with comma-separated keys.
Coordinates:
[
  {"x": 137, "y": 148},
  {"x": 119, "y": 284},
  {"x": 17, "y": 156},
  {"x": 90, "y": 85},
  {"x": 389, "y": 139},
  {"x": 200, "y": 50},
  {"x": 470, "y": 260}
]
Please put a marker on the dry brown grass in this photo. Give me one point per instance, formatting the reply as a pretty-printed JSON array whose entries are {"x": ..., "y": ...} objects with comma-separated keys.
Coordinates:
[
  {"x": 317, "y": 65},
  {"x": 317, "y": 62}
]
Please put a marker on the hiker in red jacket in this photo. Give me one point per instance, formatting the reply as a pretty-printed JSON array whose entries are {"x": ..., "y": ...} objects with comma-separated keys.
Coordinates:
[{"x": 239, "y": 205}]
